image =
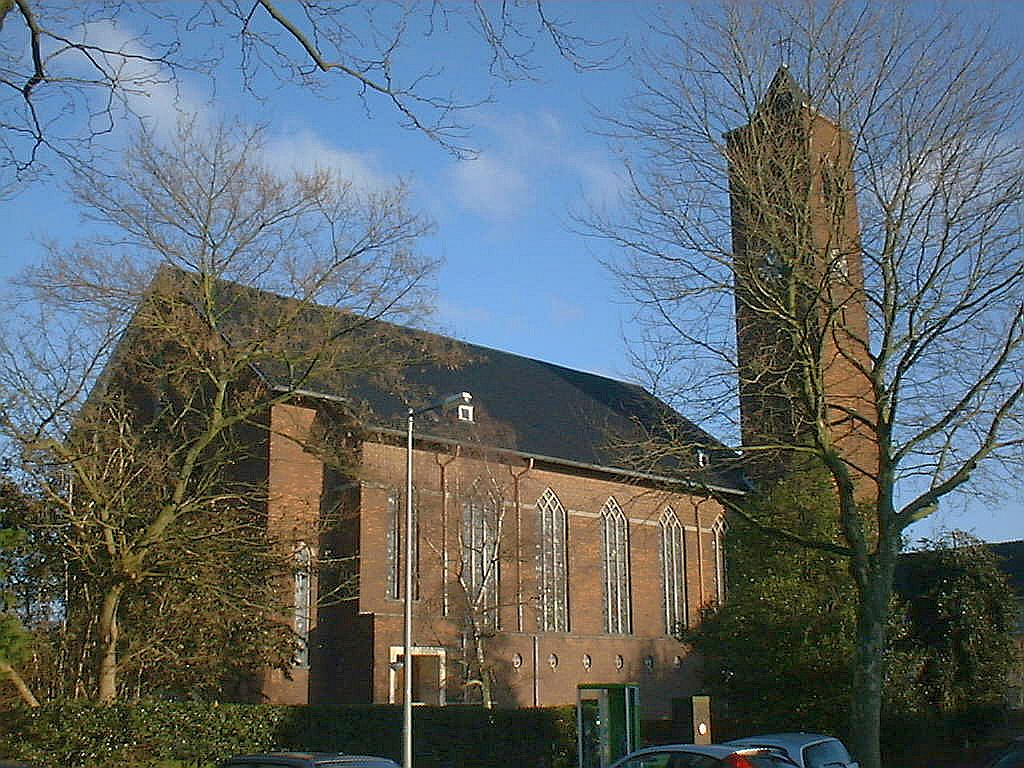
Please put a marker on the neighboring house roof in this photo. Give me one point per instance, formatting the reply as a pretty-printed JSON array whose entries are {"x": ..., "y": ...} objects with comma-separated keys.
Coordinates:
[
  {"x": 1011, "y": 562},
  {"x": 531, "y": 407},
  {"x": 1009, "y": 555}
]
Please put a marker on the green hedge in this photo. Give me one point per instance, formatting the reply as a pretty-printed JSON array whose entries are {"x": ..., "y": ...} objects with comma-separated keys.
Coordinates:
[{"x": 157, "y": 733}]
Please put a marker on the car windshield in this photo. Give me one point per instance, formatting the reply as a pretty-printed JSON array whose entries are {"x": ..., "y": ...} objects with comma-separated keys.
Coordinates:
[
  {"x": 826, "y": 753},
  {"x": 1014, "y": 758},
  {"x": 769, "y": 760}
]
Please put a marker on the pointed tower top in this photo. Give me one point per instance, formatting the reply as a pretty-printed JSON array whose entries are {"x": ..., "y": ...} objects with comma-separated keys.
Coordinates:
[{"x": 783, "y": 95}]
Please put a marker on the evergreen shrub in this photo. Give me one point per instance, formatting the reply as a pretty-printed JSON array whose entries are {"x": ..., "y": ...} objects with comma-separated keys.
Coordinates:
[{"x": 161, "y": 734}]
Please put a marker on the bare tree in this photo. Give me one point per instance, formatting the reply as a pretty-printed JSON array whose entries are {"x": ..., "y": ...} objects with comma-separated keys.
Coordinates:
[
  {"x": 482, "y": 533},
  {"x": 70, "y": 70},
  {"x": 138, "y": 375},
  {"x": 840, "y": 241}
]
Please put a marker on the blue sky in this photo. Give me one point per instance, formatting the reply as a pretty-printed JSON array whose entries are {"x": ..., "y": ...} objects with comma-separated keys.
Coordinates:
[{"x": 516, "y": 275}]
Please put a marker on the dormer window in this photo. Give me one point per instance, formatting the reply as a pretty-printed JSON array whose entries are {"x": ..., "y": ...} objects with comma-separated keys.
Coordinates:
[
  {"x": 839, "y": 265},
  {"x": 465, "y": 413},
  {"x": 771, "y": 266}
]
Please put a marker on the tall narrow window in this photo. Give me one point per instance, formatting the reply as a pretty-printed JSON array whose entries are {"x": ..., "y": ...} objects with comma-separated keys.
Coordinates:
[
  {"x": 302, "y": 601},
  {"x": 396, "y": 546},
  {"x": 673, "y": 563},
  {"x": 480, "y": 558},
  {"x": 552, "y": 564},
  {"x": 718, "y": 552},
  {"x": 615, "y": 530}
]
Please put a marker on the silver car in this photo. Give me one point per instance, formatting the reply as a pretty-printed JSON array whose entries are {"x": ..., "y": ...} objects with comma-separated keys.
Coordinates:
[
  {"x": 701, "y": 756},
  {"x": 807, "y": 750},
  {"x": 1011, "y": 757},
  {"x": 307, "y": 760}
]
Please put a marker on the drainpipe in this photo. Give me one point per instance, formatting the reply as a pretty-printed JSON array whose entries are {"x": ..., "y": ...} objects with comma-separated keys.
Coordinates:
[
  {"x": 536, "y": 671},
  {"x": 442, "y": 466},
  {"x": 700, "y": 555},
  {"x": 519, "y": 542}
]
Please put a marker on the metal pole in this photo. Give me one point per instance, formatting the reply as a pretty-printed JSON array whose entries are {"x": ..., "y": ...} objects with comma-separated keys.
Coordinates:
[
  {"x": 407, "y": 608},
  {"x": 459, "y": 398}
]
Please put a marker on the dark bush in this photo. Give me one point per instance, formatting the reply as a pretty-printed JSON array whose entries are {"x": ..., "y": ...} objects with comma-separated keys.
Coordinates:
[{"x": 157, "y": 733}]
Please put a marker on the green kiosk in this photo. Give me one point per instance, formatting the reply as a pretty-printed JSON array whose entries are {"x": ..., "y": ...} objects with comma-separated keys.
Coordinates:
[{"x": 607, "y": 722}]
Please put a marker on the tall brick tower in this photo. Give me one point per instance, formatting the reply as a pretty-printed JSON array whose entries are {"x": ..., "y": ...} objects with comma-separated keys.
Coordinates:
[{"x": 801, "y": 324}]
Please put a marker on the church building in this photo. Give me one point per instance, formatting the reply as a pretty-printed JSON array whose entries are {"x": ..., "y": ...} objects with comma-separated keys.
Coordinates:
[
  {"x": 554, "y": 542},
  {"x": 543, "y": 557}
]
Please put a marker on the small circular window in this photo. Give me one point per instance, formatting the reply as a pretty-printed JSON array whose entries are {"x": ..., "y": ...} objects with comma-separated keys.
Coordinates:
[
  {"x": 587, "y": 661},
  {"x": 552, "y": 661},
  {"x": 649, "y": 663},
  {"x": 619, "y": 661},
  {"x": 517, "y": 660}
]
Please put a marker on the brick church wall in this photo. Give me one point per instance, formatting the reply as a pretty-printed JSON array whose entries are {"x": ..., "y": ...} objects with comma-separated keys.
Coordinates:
[{"x": 354, "y": 640}]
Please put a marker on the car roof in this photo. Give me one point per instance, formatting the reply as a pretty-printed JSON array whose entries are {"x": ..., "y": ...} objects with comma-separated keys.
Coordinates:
[
  {"x": 314, "y": 758},
  {"x": 794, "y": 740},
  {"x": 711, "y": 750}
]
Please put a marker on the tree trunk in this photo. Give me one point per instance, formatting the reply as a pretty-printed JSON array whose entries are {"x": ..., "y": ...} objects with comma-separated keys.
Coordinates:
[
  {"x": 108, "y": 628},
  {"x": 869, "y": 663},
  {"x": 23, "y": 690},
  {"x": 484, "y": 672}
]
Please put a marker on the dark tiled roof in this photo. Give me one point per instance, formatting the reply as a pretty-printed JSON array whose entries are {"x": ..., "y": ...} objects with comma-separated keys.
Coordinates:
[
  {"x": 524, "y": 405},
  {"x": 543, "y": 409}
]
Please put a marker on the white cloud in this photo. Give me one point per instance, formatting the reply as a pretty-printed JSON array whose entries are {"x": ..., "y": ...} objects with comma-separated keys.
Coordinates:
[
  {"x": 491, "y": 186},
  {"x": 147, "y": 89},
  {"x": 150, "y": 92},
  {"x": 304, "y": 150},
  {"x": 603, "y": 181},
  {"x": 531, "y": 151}
]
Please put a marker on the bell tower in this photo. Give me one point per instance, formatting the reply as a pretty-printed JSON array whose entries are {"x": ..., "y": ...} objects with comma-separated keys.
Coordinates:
[{"x": 801, "y": 323}]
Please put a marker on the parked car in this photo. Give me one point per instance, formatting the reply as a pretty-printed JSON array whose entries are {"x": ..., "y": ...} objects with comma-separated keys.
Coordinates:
[
  {"x": 700, "y": 756},
  {"x": 307, "y": 760},
  {"x": 1011, "y": 757},
  {"x": 807, "y": 750}
]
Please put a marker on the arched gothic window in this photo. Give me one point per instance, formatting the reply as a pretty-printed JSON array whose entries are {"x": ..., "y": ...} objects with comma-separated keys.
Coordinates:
[
  {"x": 396, "y": 545},
  {"x": 673, "y": 563},
  {"x": 302, "y": 600},
  {"x": 480, "y": 556},
  {"x": 615, "y": 529},
  {"x": 552, "y": 564},
  {"x": 718, "y": 552}
]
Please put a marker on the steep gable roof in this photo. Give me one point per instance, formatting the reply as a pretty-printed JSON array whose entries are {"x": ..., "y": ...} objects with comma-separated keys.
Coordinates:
[
  {"x": 523, "y": 405},
  {"x": 783, "y": 93},
  {"x": 550, "y": 411}
]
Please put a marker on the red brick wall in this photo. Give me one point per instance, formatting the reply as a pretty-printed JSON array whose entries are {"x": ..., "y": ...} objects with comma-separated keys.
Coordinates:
[
  {"x": 845, "y": 354},
  {"x": 821, "y": 157},
  {"x": 582, "y": 497},
  {"x": 352, "y": 641},
  {"x": 294, "y": 485}
]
